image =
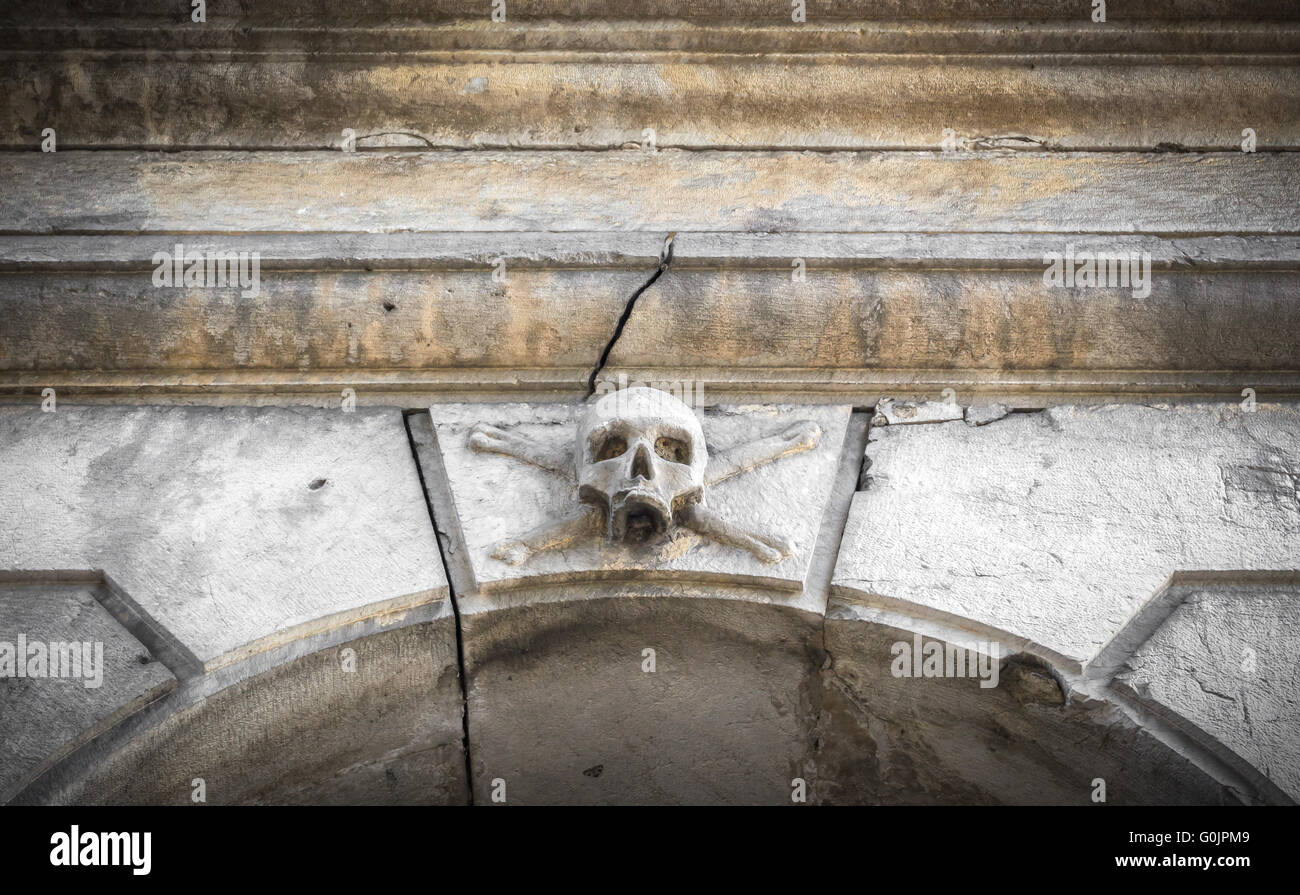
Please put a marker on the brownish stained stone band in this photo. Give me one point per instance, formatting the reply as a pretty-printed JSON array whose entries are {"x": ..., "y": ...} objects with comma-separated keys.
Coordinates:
[
  {"x": 671, "y": 190},
  {"x": 820, "y": 102}
]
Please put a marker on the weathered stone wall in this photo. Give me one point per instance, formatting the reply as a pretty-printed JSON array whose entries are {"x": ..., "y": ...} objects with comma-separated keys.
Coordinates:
[
  {"x": 330, "y": 526},
  {"x": 1127, "y": 573}
]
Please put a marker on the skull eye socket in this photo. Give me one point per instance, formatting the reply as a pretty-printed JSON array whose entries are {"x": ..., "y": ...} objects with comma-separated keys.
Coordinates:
[
  {"x": 613, "y": 446},
  {"x": 674, "y": 450}
]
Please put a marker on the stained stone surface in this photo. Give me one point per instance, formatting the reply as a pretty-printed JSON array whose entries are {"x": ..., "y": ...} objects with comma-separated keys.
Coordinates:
[
  {"x": 302, "y": 13},
  {"x": 946, "y": 740},
  {"x": 705, "y": 99},
  {"x": 1127, "y": 559},
  {"x": 718, "y": 190},
  {"x": 562, "y": 710},
  {"x": 497, "y": 497},
  {"x": 42, "y": 718},
  {"x": 751, "y": 689},
  {"x": 901, "y": 315},
  {"x": 233, "y": 529},
  {"x": 1224, "y": 661},
  {"x": 304, "y": 732},
  {"x": 1049, "y": 530}
]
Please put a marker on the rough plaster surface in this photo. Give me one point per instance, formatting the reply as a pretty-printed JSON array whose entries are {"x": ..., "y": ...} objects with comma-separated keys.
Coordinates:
[
  {"x": 233, "y": 529},
  {"x": 498, "y": 497},
  {"x": 1224, "y": 660},
  {"x": 1052, "y": 529}
]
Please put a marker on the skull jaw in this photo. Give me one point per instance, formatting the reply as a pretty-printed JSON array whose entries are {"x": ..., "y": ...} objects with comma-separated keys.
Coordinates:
[{"x": 634, "y": 515}]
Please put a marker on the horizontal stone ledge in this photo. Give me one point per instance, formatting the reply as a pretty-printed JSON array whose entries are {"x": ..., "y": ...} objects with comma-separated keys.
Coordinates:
[
  {"x": 465, "y": 324},
  {"x": 1028, "y": 389},
  {"x": 310, "y": 13},
  {"x": 1023, "y": 103},
  {"x": 605, "y": 250},
  {"x": 992, "y": 320},
  {"x": 482, "y": 40},
  {"x": 983, "y": 251},
  {"x": 463, "y": 39},
  {"x": 719, "y": 103},
  {"x": 301, "y": 321},
  {"x": 321, "y": 388},
  {"x": 671, "y": 190},
  {"x": 600, "y": 250}
]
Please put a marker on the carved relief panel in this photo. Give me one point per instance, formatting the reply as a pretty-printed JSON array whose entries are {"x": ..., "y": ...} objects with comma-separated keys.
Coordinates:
[{"x": 638, "y": 481}]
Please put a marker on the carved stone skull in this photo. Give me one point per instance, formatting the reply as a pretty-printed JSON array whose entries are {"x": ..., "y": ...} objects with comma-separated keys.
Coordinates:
[{"x": 640, "y": 460}]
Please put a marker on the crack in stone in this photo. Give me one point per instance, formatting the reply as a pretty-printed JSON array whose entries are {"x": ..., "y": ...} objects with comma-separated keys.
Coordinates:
[
  {"x": 665, "y": 258},
  {"x": 1009, "y": 141},
  {"x": 1207, "y": 691},
  {"x": 428, "y": 144},
  {"x": 443, "y": 550}
]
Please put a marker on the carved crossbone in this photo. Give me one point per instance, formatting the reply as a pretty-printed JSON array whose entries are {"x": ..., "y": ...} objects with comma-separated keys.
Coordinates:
[{"x": 641, "y": 466}]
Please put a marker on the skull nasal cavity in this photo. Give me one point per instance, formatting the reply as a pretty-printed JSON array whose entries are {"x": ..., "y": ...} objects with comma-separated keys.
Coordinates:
[{"x": 641, "y": 465}]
